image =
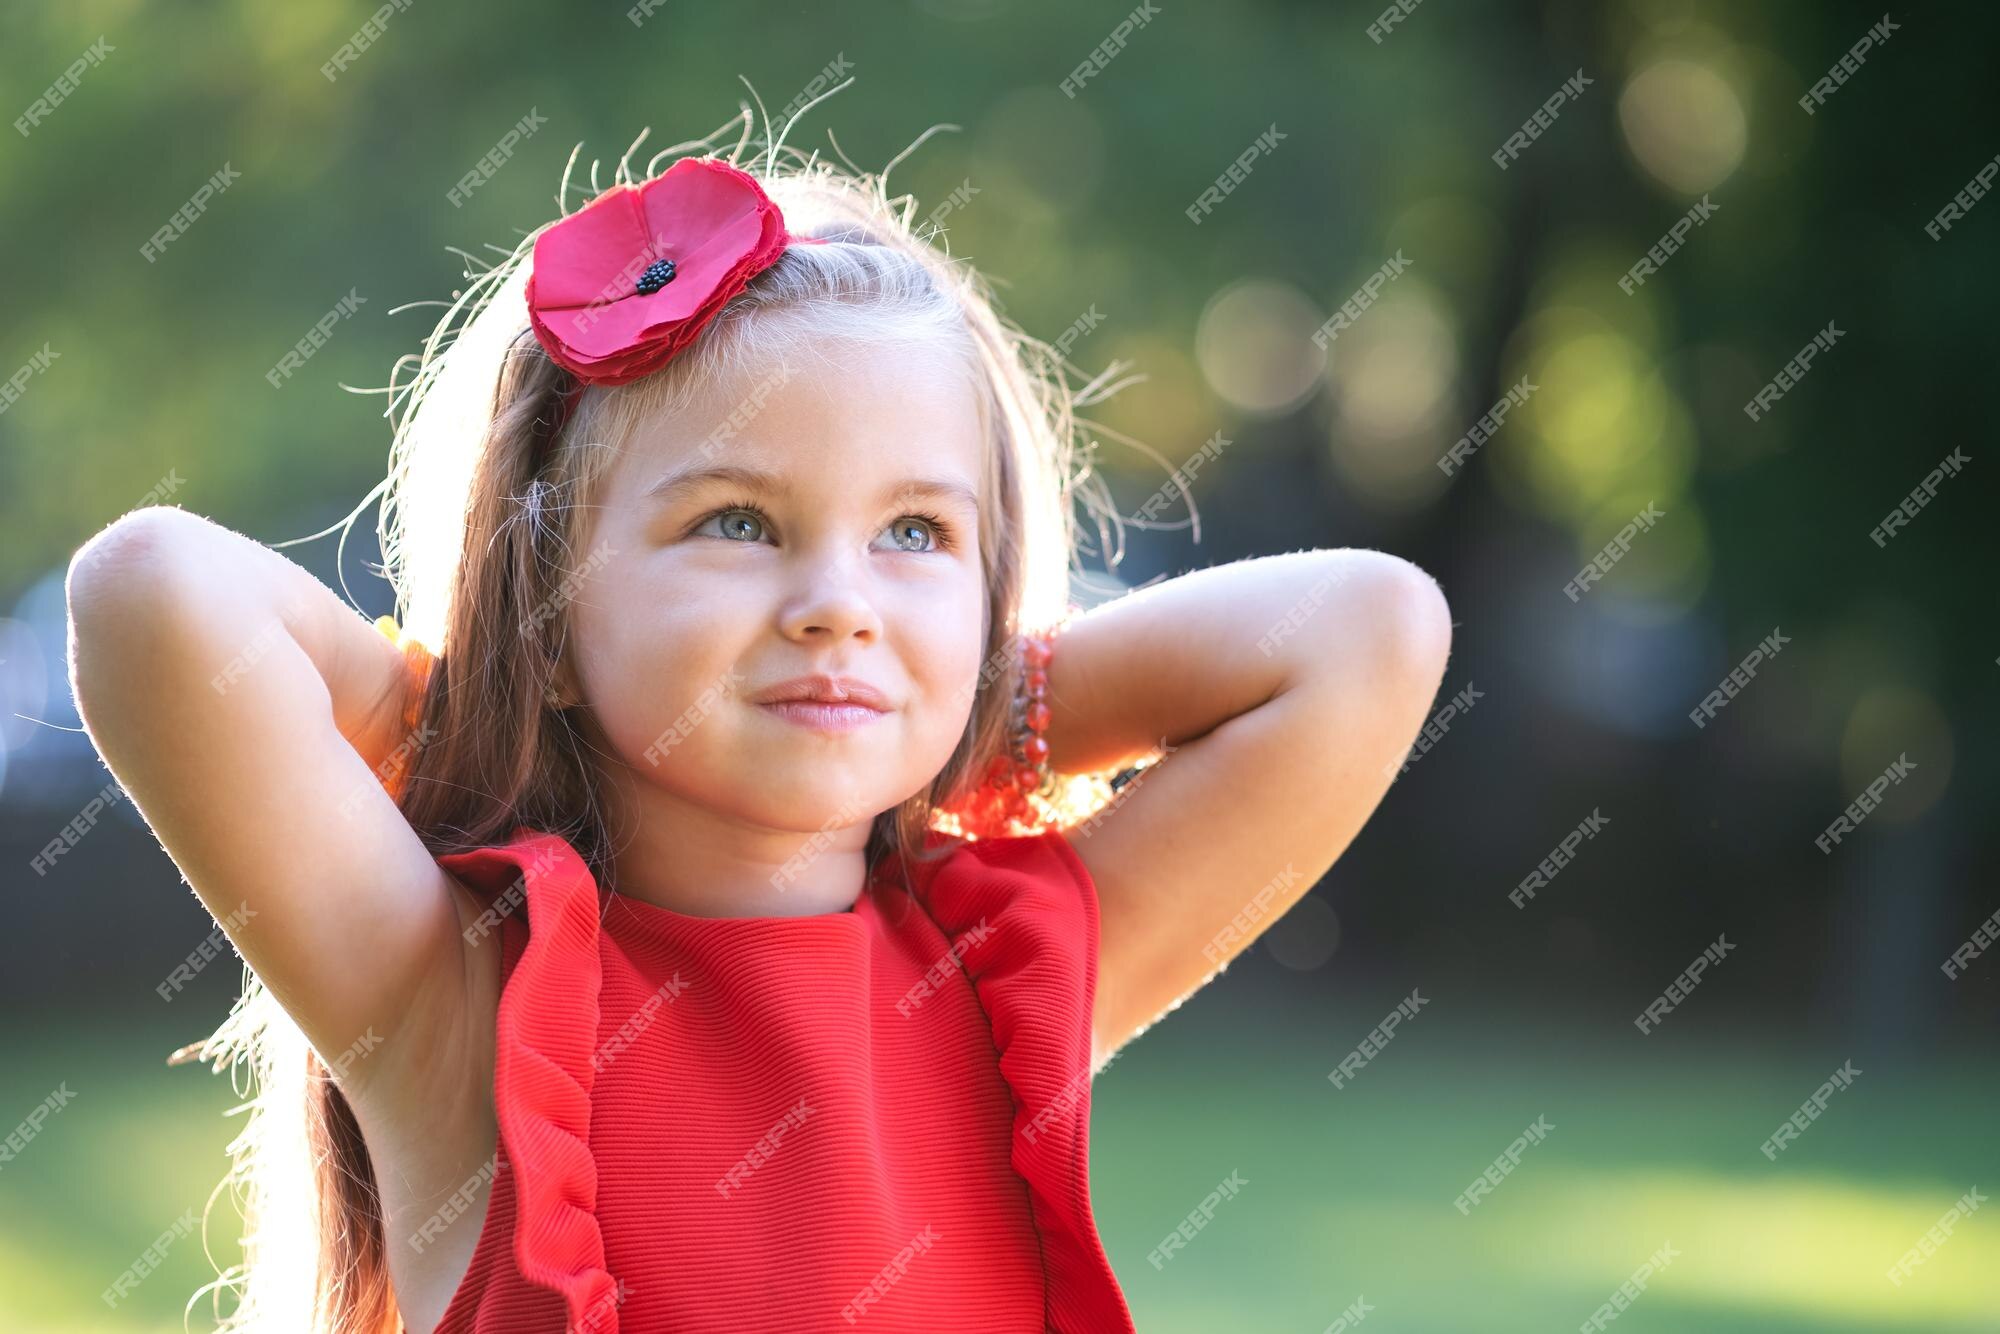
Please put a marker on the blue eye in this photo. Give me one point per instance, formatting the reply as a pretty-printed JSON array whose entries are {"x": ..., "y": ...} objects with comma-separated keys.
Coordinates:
[
  {"x": 923, "y": 522},
  {"x": 747, "y": 522},
  {"x": 734, "y": 517}
]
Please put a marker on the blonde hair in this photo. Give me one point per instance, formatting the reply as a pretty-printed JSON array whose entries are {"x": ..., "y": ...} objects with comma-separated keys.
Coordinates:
[{"x": 480, "y": 510}]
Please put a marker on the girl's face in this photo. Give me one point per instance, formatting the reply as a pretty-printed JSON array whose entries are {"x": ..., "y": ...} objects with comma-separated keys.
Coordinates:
[{"x": 813, "y": 518}]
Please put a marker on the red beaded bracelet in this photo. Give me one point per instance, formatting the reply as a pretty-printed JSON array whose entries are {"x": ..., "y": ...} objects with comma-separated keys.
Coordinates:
[{"x": 1000, "y": 805}]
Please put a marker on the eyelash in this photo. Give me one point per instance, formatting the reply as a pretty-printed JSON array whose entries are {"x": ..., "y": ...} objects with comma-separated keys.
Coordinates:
[{"x": 947, "y": 533}]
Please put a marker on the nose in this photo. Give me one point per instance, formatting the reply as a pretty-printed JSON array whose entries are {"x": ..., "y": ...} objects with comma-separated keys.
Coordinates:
[{"x": 831, "y": 608}]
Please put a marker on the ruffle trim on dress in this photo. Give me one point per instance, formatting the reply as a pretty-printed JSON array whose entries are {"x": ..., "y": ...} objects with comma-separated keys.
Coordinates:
[
  {"x": 1022, "y": 917},
  {"x": 545, "y": 1031}
]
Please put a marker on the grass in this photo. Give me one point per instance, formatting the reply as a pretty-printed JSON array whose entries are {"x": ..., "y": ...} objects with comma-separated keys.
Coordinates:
[{"x": 1350, "y": 1193}]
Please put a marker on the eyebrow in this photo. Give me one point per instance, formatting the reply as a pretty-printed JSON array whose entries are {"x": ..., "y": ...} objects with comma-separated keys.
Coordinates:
[{"x": 683, "y": 480}]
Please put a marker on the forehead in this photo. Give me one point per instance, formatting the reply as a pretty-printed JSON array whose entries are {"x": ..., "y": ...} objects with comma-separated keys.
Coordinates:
[{"x": 835, "y": 418}]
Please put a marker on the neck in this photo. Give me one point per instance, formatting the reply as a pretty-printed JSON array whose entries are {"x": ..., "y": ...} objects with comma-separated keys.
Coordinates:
[{"x": 703, "y": 863}]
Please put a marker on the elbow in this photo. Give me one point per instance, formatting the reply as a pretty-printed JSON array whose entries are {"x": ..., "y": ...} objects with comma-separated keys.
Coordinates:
[
  {"x": 1421, "y": 621},
  {"x": 1385, "y": 636},
  {"x": 117, "y": 591},
  {"x": 1377, "y": 664},
  {"x": 1406, "y": 618},
  {"x": 125, "y": 558}
]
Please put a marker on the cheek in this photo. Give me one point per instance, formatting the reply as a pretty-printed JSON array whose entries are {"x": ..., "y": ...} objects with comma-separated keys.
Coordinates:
[
  {"x": 639, "y": 658},
  {"x": 655, "y": 696},
  {"x": 946, "y": 653}
]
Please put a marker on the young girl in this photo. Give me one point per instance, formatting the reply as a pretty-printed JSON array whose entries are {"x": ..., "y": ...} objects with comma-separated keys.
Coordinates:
[{"x": 707, "y": 911}]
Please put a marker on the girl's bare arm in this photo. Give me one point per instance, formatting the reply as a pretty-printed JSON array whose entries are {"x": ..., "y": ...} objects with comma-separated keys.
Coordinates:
[
  {"x": 243, "y": 707},
  {"x": 1282, "y": 693}
]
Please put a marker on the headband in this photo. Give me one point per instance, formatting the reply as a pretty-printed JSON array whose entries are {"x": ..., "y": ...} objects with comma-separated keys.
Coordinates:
[{"x": 623, "y": 285}]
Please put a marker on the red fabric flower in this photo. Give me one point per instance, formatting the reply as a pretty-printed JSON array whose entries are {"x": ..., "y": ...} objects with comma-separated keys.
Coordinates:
[{"x": 585, "y": 297}]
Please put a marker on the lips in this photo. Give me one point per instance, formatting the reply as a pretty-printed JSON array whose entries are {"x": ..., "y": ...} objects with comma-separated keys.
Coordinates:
[{"x": 822, "y": 689}]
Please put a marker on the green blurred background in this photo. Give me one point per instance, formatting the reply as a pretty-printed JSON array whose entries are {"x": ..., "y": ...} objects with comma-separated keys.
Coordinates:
[{"x": 1076, "y": 205}]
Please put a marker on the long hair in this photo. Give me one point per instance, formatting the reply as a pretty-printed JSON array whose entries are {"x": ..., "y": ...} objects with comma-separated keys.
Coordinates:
[{"x": 480, "y": 514}]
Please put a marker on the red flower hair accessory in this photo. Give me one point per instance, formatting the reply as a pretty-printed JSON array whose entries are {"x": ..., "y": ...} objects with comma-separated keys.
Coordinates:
[{"x": 624, "y": 284}]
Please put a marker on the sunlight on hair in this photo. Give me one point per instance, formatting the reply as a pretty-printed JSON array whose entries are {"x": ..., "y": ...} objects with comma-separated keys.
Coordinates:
[
  {"x": 441, "y": 449},
  {"x": 263, "y": 1050}
]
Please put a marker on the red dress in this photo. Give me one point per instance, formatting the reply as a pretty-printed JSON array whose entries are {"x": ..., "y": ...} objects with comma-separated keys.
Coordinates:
[{"x": 875, "y": 1119}]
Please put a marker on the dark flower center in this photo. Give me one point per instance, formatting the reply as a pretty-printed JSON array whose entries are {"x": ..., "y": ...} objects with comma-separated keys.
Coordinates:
[{"x": 657, "y": 275}]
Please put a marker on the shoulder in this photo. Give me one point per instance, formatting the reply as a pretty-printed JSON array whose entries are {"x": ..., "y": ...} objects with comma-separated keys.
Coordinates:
[
  {"x": 1020, "y": 915},
  {"x": 527, "y": 856},
  {"x": 533, "y": 872},
  {"x": 1031, "y": 877}
]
